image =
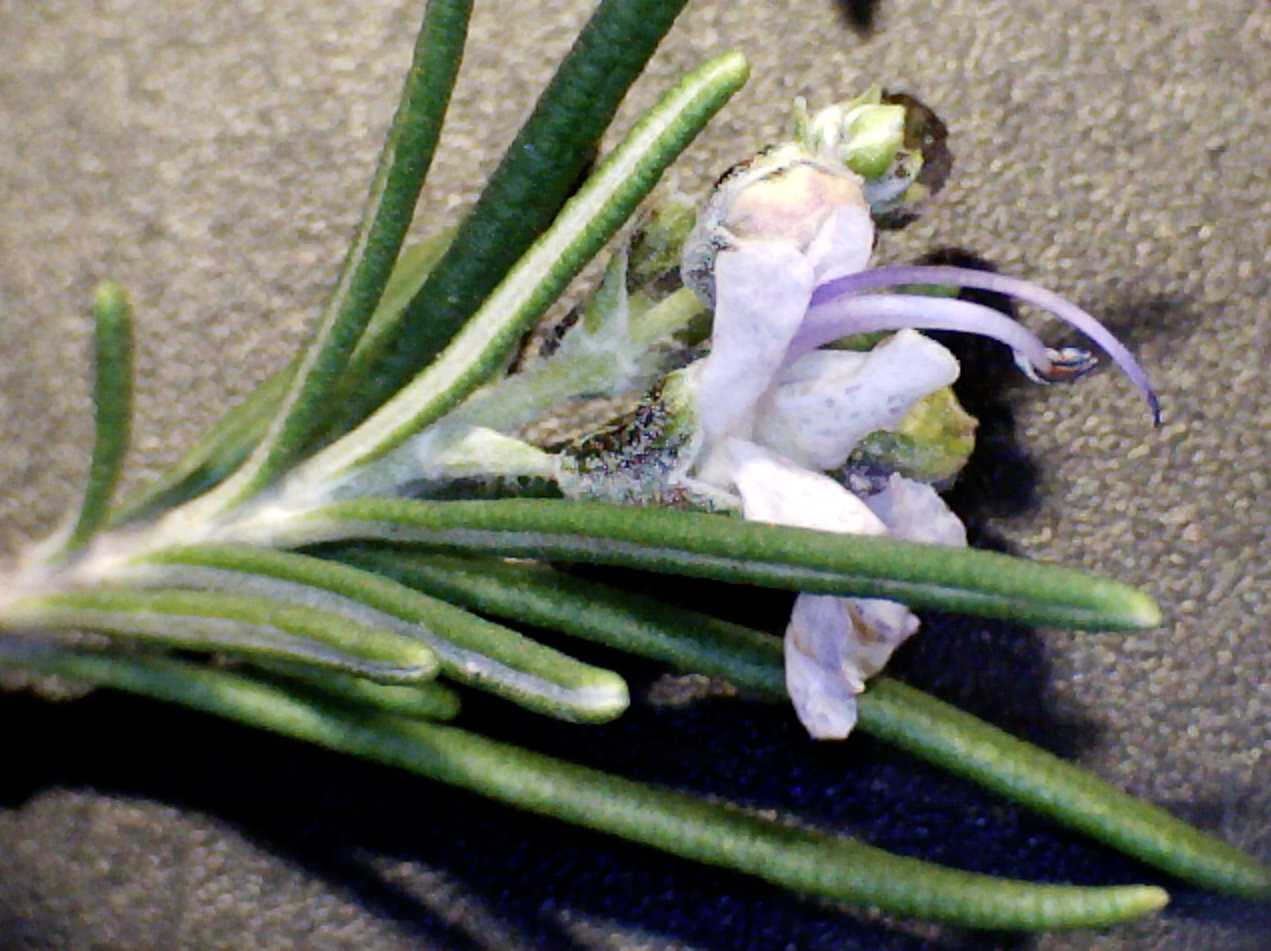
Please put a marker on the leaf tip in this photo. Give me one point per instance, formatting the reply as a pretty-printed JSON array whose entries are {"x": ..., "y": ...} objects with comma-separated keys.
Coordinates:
[
  {"x": 606, "y": 698},
  {"x": 109, "y": 299},
  {"x": 1152, "y": 898},
  {"x": 1141, "y": 612}
]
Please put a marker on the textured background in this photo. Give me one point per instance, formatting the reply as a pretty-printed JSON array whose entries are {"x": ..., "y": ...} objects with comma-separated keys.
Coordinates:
[{"x": 211, "y": 157}]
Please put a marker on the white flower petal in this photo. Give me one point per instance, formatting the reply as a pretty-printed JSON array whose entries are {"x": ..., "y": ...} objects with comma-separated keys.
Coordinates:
[
  {"x": 878, "y": 628},
  {"x": 777, "y": 491},
  {"x": 915, "y": 512},
  {"x": 824, "y": 697},
  {"x": 844, "y": 244},
  {"x": 763, "y": 291},
  {"x": 829, "y": 400},
  {"x": 831, "y": 646}
]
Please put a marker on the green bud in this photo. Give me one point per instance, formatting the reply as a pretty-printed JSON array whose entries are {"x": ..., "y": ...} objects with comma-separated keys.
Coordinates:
[
  {"x": 875, "y": 135},
  {"x": 892, "y": 140},
  {"x": 865, "y": 134}
]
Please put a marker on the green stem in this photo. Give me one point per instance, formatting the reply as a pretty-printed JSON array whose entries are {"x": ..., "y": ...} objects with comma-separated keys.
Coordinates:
[
  {"x": 903, "y": 716},
  {"x": 701, "y": 545},
  {"x": 112, "y": 403},
  {"x": 403, "y": 165},
  {"x": 811, "y": 862},
  {"x": 537, "y": 173},
  {"x": 479, "y": 350}
]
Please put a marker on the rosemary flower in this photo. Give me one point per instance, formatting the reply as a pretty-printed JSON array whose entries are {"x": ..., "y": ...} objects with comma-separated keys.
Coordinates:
[{"x": 782, "y": 251}]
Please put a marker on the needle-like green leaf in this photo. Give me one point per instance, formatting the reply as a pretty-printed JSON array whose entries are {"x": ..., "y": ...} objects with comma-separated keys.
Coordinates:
[
  {"x": 471, "y": 650},
  {"x": 428, "y": 701},
  {"x": 690, "y": 543},
  {"x": 541, "y": 596},
  {"x": 966, "y": 746},
  {"x": 112, "y": 406},
  {"x": 237, "y": 623},
  {"x": 404, "y": 164}
]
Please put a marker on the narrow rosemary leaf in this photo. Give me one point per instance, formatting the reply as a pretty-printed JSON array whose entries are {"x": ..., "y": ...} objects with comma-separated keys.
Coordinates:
[
  {"x": 112, "y": 406},
  {"x": 701, "y": 545},
  {"x": 968, "y": 747},
  {"x": 404, "y": 163},
  {"x": 916, "y": 722},
  {"x": 428, "y": 701},
  {"x": 231, "y": 623},
  {"x": 470, "y": 649},
  {"x": 409, "y": 274},
  {"x": 801, "y": 859},
  {"x": 538, "y": 595},
  {"x": 223, "y": 450},
  {"x": 536, "y": 175},
  {"x": 590, "y": 218}
]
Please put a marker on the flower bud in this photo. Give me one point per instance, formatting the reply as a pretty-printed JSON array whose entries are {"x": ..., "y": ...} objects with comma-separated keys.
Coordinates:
[
  {"x": 892, "y": 140},
  {"x": 865, "y": 134}
]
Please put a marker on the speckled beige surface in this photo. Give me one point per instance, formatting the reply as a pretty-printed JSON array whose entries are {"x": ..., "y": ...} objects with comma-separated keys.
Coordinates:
[{"x": 211, "y": 156}]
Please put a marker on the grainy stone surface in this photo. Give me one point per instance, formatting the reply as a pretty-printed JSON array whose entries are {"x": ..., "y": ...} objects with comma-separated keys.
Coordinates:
[{"x": 210, "y": 156}]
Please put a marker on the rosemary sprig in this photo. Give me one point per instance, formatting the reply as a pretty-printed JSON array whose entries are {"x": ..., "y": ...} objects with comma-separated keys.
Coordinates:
[{"x": 335, "y": 646}]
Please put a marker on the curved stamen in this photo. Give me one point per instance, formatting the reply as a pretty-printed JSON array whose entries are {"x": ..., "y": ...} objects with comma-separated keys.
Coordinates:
[
  {"x": 885, "y": 277},
  {"x": 872, "y": 313}
]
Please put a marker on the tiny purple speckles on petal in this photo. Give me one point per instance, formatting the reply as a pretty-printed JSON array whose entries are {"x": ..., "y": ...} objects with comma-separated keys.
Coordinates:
[{"x": 828, "y": 400}]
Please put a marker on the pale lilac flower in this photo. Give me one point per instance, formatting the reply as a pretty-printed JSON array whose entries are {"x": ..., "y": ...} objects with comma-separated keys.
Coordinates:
[{"x": 782, "y": 251}]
